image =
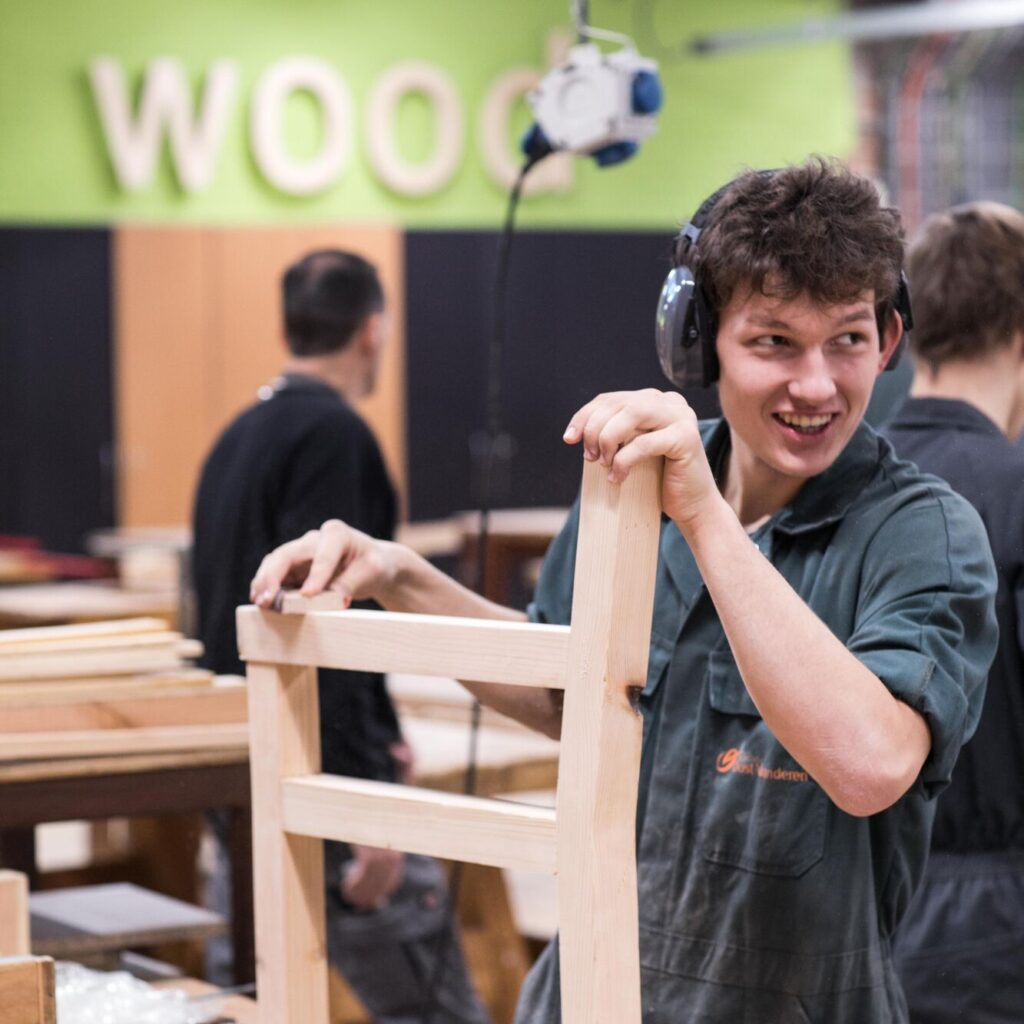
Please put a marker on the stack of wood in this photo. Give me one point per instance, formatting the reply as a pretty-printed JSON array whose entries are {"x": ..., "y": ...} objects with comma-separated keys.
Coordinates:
[{"x": 107, "y": 688}]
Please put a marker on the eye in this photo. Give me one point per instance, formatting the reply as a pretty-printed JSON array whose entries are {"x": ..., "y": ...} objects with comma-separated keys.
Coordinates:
[
  {"x": 849, "y": 340},
  {"x": 770, "y": 341}
]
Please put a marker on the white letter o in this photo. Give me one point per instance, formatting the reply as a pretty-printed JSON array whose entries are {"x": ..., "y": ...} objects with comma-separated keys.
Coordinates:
[
  {"x": 278, "y": 82},
  {"x": 434, "y": 173}
]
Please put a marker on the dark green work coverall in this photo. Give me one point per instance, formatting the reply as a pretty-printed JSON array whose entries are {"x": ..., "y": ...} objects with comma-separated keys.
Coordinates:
[{"x": 761, "y": 902}]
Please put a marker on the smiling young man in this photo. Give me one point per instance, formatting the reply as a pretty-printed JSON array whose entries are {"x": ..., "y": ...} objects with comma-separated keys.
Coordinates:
[{"x": 822, "y": 627}]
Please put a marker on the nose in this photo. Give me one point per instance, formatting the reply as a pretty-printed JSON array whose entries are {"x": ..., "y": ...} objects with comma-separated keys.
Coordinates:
[{"x": 812, "y": 383}]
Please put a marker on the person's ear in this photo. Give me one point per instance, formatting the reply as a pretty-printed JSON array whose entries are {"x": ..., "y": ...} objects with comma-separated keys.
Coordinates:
[
  {"x": 890, "y": 339},
  {"x": 371, "y": 334}
]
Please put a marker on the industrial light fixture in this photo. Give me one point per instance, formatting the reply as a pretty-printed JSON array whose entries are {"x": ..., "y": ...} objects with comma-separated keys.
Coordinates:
[{"x": 881, "y": 23}]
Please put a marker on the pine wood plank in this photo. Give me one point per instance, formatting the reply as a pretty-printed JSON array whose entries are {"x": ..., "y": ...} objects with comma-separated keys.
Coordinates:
[
  {"x": 55, "y": 691},
  {"x": 601, "y": 736},
  {"x": 26, "y": 991},
  {"x": 107, "y": 661},
  {"x": 13, "y": 914},
  {"x": 32, "y": 746},
  {"x": 448, "y": 825},
  {"x": 72, "y": 645},
  {"x": 519, "y": 653},
  {"x": 206, "y": 705},
  {"x": 84, "y": 768},
  {"x": 291, "y": 956},
  {"x": 11, "y": 638}
]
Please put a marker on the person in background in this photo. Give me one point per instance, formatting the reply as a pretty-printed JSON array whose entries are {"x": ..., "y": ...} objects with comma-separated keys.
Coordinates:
[
  {"x": 960, "y": 950},
  {"x": 823, "y": 621},
  {"x": 300, "y": 454}
]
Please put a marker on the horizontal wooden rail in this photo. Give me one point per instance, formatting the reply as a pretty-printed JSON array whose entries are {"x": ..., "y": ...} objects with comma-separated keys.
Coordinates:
[
  {"x": 480, "y": 650},
  {"x": 456, "y": 827}
]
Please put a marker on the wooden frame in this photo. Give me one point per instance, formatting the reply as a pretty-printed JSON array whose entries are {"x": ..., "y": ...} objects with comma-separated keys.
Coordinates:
[
  {"x": 26, "y": 982},
  {"x": 589, "y": 841}
]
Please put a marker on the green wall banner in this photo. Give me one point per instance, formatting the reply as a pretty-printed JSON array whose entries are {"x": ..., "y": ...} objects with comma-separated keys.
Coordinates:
[{"x": 254, "y": 111}]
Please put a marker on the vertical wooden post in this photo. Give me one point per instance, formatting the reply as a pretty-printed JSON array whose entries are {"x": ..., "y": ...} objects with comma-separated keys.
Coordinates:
[
  {"x": 601, "y": 738},
  {"x": 288, "y": 874},
  {"x": 14, "y": 939},
  {"x": 27, "y": 991}
]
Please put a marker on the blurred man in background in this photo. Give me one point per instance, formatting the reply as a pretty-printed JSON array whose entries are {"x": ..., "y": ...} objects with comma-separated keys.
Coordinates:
[
  {"x": 298, "y": 456},
  {"x": 960, "y": 950}
]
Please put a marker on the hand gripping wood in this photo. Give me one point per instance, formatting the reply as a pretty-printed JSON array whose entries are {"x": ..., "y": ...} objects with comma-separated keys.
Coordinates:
[{"x": 588, "y": 841}]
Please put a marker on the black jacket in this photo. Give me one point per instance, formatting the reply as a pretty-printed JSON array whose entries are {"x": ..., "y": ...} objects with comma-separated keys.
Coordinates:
[
  {"x": 281, "y": 468},
  {"x": 983, "y": 808}
]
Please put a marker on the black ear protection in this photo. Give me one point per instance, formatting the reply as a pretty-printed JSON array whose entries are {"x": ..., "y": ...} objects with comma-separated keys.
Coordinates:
[{"x": 687, "y": 322}]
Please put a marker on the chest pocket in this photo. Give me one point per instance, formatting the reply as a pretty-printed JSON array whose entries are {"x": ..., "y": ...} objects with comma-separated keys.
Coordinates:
[{"x": 757, "y": 808}]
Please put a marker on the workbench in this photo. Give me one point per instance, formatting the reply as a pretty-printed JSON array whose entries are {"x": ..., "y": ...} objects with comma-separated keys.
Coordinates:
[
  {"x": 510, "y": 759},
  {"x": 95, "y": 788}
]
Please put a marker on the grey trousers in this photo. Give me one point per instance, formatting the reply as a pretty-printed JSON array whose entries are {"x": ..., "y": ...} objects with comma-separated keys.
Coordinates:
[{"x": 390, "y": 956}]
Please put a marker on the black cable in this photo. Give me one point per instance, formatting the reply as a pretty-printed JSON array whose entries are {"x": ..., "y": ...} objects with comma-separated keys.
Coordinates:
[
  {"x": 582, "y": 20},
  {"x": 493, "y": 420}
]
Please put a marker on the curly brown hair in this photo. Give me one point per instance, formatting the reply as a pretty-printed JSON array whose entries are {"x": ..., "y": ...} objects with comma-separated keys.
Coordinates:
[
  {"x": 966, "y": 267},
  {"x": 814, "y": 228}
]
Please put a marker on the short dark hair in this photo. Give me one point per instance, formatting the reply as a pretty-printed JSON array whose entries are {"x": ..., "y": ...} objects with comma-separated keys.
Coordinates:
[
  {"x": 966, "y": 269},
  {"x": 327, "y": 295},
  {"x": 814, "y": 228}
]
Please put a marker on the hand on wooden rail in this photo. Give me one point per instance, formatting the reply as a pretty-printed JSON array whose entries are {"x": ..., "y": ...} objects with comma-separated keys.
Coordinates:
[
  {"x": 335, "y": 557},
  {"x": 623, "y": 428}
]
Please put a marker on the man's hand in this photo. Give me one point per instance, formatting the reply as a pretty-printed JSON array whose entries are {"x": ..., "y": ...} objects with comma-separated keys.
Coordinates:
[
  {"x": 335, "y": 557},
  {"x": 372, "y": 876},
  {"x": 623, "y": 428},
  {"x": 405, "y": 761}
]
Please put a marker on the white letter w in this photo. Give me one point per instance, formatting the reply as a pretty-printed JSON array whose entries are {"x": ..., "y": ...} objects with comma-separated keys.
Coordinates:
[{"x": 164, "y": 98}]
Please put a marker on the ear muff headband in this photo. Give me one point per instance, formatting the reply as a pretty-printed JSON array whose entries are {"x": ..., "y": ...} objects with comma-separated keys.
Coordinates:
[{"x": 686, "y": 323}]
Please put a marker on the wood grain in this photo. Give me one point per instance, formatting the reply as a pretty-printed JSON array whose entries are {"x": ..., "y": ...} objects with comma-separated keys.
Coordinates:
[
  {"x": 520, "y": 653},
  {"x": 205, "y": 705},
  {"x": 13, "y": 914},
  {"x": 599, "y": 768},
  {"x": 448, "y": 825},
  {"x": 17, "y": 638},
  {"x": 31, "y": 746},
  {"x": 26, "y": 991},
  {"x": 291, "y": 955}
]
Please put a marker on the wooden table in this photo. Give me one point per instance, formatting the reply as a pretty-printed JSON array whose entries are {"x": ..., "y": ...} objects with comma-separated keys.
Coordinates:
[
  {"x": 95, "y": 788},
  {"x": 100, "y": 787},
  {"x": 239, "y": 1008},
  {"x": 514, "y": 536}
]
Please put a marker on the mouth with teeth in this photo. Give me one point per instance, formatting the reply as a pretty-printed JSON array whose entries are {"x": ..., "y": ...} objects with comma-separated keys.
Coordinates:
[{"x": 807, "y": 426}]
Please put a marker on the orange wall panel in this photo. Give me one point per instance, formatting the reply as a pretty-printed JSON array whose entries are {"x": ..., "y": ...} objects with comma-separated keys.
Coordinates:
[{"x": 199, "y": 330}]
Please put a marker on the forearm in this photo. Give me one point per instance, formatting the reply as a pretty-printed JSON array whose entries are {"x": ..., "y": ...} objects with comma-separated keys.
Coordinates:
[
  {"x": 833, "y": 715},
  {"x": 420, "y": 587}
]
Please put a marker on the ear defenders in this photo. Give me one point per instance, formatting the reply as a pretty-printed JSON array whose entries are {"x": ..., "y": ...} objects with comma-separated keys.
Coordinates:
[{"x": 686, "y": 323}]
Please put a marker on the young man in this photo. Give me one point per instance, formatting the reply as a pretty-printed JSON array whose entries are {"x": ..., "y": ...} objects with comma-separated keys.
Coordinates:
[
  {"x": 960, "y": 950},
  {"x": 300, "y": 454},
  {"x": 822, "y": 625}
]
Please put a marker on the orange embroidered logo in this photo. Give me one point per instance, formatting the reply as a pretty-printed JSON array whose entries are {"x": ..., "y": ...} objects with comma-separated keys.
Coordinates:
[{"x": 734, "y": 761}]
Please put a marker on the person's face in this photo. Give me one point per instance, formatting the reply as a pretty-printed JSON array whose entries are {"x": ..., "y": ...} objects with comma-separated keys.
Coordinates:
[{"x": 796, "y": 377}]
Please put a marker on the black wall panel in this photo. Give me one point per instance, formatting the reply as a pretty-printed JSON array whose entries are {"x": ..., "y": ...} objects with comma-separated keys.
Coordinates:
[
  {"x": 56, "y": 406},
  {"x": 580, "y": 321}
]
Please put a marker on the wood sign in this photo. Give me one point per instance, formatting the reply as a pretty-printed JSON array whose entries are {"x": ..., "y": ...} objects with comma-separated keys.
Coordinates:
[{"x": 588, "y": 840}]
